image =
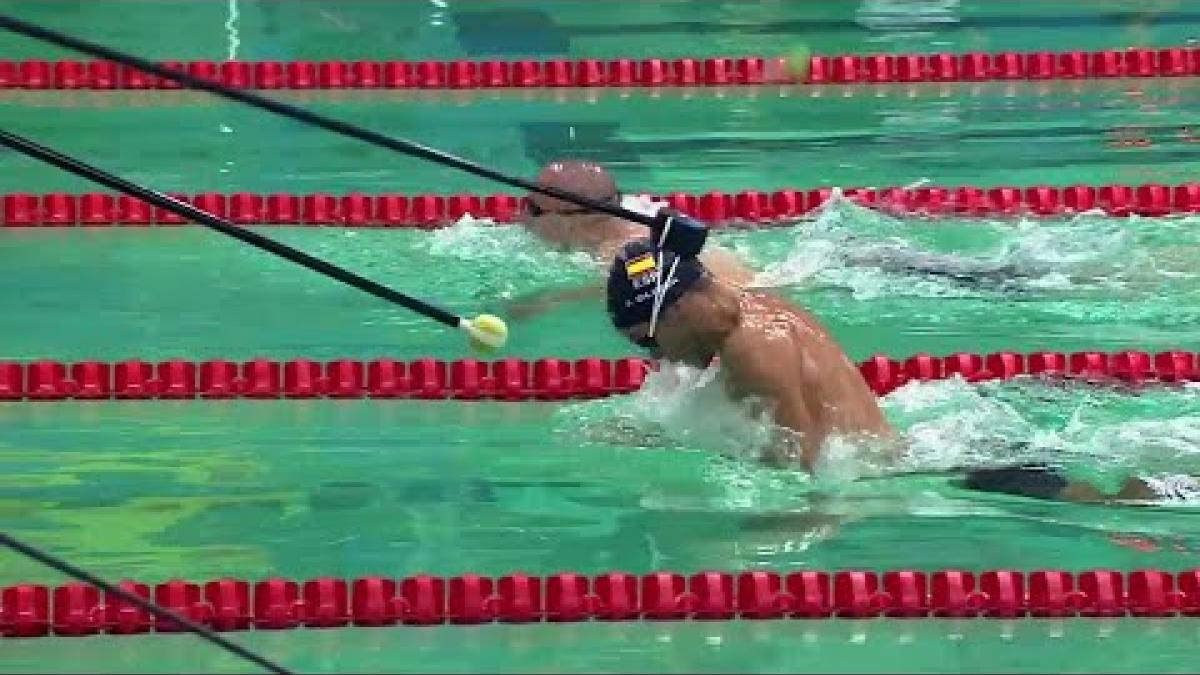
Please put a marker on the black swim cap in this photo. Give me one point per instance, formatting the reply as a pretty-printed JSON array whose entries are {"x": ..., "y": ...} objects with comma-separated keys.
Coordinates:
[{"x": 634, "y": 275}]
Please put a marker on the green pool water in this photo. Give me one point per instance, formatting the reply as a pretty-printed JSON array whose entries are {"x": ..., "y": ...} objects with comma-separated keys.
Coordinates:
[{"x": 247, "y": 489}]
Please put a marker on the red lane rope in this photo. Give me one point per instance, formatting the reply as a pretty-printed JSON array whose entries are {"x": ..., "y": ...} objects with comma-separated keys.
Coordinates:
[
  {"x": 722, "y": 71},
  {"x": 77, "y": 609},
  {"x": 745, "y": 208},
  {"x": 516, "y": 379}
]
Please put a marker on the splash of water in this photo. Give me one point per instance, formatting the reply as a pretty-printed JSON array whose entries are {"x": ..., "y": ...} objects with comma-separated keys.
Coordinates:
[
  {"x": 946, "y": 426},
  {"x": 872, "y": 254},
  {"x": 481, "y": 241},
  {"x": 514, "y": 260},
  {"x": 663, "y": 414},
  {"x": 950, "y": 424}
]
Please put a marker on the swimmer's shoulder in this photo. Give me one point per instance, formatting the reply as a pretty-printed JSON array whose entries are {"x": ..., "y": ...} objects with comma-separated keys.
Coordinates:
[
  {"x": 759, "y": 356},
  {"x": 805, "y": 326},
  {"x": 767, "y": 308}
]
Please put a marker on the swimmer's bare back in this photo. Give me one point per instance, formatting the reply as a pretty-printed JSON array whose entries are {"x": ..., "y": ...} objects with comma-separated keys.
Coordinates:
[{"x": 782, "y": 355}]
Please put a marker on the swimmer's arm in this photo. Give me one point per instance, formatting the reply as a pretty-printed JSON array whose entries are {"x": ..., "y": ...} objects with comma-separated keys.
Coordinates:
[
  {"x": 792, "y": 412},
  {"x": 540, "y": 302},
  {"x": 758, "y": 372}
]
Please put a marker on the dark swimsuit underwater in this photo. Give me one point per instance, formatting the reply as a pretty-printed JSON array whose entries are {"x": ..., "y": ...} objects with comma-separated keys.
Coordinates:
[
  {"x": 1041, "y": 481},
  {"x": 1035, "y": 480}
]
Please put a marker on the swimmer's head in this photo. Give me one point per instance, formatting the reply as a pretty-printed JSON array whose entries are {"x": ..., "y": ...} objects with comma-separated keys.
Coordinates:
[
  {"x": 666, "y": 304},
  {"x": 586, "y": 179}
]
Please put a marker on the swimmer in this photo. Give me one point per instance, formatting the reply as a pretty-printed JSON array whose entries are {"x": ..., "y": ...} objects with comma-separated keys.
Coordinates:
[
  {"x": 571, "y": 228},
  {"x": 902, "y": 260},
  {"x": 1041, "y": 481},
  {"x": 772, "y": 354}
]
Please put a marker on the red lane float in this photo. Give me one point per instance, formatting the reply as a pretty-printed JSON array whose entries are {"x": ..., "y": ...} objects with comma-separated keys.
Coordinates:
[
  {"x": 744, "y": 208},
  {"x": 840, "y": 69},
  {"x": 514, "y": 379},
  {"x": 76, "y": 609}
]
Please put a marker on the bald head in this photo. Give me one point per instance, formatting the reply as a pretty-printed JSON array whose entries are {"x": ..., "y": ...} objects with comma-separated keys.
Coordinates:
[{"x": 583, "y": 178}]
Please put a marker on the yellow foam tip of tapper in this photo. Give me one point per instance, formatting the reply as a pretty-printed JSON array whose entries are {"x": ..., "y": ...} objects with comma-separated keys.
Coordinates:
[{"x": 485, "y": 333}]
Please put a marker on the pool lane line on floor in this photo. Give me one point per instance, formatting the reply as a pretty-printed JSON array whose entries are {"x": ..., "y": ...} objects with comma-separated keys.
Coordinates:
[{"x": 1140, "y": 91}]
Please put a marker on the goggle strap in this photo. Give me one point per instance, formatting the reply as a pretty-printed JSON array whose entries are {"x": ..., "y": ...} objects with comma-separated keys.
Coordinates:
[{"x": 660, "y": 294}]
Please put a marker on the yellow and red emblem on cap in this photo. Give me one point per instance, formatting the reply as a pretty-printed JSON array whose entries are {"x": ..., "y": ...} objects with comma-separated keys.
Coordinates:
[{"x": 640, "y": 265}]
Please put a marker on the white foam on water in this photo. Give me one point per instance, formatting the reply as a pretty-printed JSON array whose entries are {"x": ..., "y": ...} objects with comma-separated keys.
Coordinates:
[
  {"x": 480, "y": 240},
  {"x": 873, "y": 254},
  {"x": 515, "y": 257},
  {"x": 664, "y": 412},
  {"x": 945, "y": 426},
  {"x": 507, "y": 260}
]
